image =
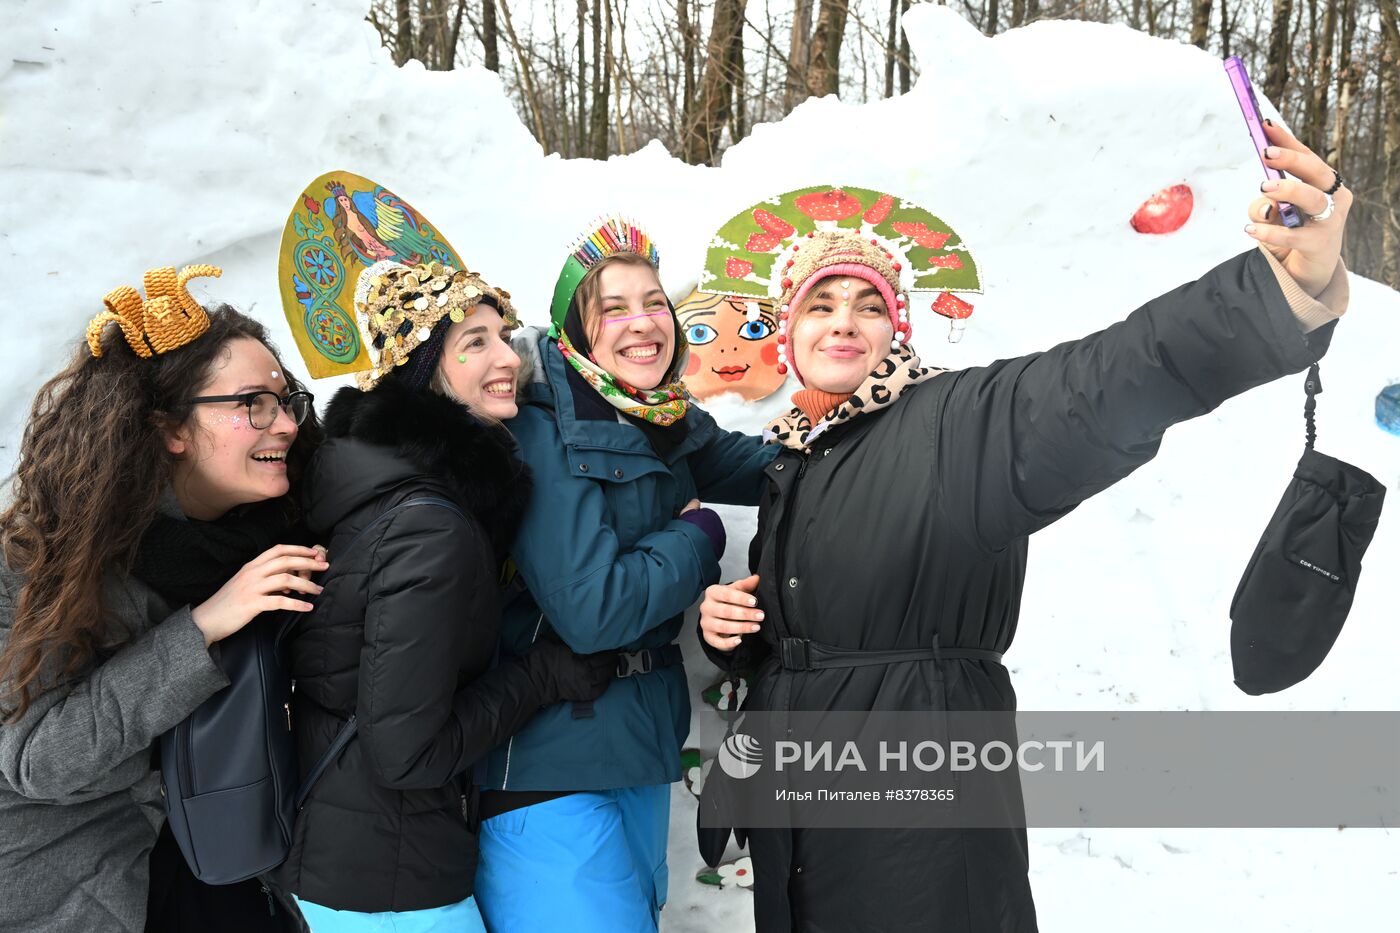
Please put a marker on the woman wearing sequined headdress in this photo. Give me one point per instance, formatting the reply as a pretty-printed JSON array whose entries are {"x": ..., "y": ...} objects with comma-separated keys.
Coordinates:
[
  {"x": 150, "y": 519},
  {"x": 613, "y": 548},
  {"x": 417, "y": 493},
  {"x": 891, "y": 549}
]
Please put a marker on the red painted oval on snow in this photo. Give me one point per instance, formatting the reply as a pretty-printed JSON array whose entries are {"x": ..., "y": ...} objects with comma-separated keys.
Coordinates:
[{"x": 1164, "y": 212}]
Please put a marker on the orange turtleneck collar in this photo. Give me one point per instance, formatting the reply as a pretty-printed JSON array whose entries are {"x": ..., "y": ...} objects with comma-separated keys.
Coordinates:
[{"x": 816, "y": 404}]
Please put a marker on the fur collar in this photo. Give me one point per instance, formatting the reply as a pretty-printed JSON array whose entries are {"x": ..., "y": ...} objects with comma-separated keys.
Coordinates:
[{"x": 434, "y": 437}]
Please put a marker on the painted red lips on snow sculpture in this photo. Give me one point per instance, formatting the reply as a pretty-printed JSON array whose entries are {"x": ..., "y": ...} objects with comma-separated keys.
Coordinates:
[{"x": 1164, "y": 212}]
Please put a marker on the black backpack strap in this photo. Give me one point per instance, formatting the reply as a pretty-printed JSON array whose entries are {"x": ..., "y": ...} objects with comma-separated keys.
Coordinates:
[
  {"x": 347, "y": 731},
  {"x": 289, "y": 624}
]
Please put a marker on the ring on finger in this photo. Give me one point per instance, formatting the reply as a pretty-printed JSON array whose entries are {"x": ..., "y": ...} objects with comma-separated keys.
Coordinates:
[
  {"x": 1336, "y": 182},
  {"x": 1326, "y": 212}
]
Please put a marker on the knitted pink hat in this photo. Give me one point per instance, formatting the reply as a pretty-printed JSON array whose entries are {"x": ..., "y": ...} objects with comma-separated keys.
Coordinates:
[{"x": 846, "y": 254}]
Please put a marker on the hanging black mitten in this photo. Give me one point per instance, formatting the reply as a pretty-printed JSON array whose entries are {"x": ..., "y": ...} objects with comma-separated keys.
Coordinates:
[{"x": 1298, "y": 587}]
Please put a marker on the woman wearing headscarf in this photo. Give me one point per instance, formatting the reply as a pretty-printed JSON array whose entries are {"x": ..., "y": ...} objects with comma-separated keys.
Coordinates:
[
  {"x": 613, "y": 548},
  {"x": 892, "y": 542}
]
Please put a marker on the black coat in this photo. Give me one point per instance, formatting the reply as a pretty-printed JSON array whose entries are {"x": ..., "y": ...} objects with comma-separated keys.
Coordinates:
[
  {"x": 910, "y": 523},
  {"x": 403, "y": 636}
]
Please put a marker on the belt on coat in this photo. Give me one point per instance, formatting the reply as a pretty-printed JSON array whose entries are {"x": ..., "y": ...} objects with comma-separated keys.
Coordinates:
[{"x": 803, "y": 654}]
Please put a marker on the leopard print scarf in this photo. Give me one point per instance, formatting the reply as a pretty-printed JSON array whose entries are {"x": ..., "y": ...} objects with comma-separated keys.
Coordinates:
[{"x": 882, "y": 388}]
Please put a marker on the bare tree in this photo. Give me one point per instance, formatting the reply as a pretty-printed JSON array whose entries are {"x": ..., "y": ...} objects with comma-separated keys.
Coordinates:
[
  {"x": 712, "y": 106},
  {"x": 688, "y": 43},
  {"x": 581, "y": 96},
  {"x": 532, "y": 99},
  {"x": 891, "y": 48},
  {"x": 1390, "y": 198},
  {"x": 1347, "y": 77},
  {"x": 403, "y": 35},
  {"x": 824, "y": 72},
  {"x": 490, "y": 51},
  {"x": 799, "y": 54},
  {"x": 1200, "y": 22},
  {"x": 1280, "y": 50},
  {"x": 1322, "y": 86},
  {"x": 904, "y": 58},
  {"x": 592, "y": 78},
  {"x": 602, "y": 79}
]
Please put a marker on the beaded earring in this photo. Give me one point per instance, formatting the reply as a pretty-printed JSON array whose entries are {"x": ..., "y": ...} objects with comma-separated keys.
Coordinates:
[{"x": 782, "y": 341}]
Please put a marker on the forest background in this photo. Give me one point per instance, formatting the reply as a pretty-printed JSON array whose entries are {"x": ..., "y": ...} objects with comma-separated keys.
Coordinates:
[{"x": 594, "y": 78}]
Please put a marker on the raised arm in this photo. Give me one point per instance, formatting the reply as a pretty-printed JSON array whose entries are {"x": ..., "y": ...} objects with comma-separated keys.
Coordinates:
[{"x": 1022, "y": 442}]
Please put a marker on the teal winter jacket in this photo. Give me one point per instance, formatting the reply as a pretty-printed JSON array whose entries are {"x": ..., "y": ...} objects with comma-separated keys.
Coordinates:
[{"x": 603, "y": 563}]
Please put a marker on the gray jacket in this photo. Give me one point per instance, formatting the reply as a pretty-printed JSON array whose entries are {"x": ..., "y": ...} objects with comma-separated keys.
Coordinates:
[{"x": 79, "y": 803}]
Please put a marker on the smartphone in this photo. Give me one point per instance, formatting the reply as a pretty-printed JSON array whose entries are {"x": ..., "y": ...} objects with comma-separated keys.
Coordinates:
[{"x": 1244, "y": 93}]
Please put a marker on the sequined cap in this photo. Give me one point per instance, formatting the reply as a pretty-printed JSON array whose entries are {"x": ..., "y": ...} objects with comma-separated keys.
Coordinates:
[{"x": 399, "y": 305}]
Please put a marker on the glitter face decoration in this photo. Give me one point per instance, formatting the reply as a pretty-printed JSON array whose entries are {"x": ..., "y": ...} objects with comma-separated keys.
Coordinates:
[
  {"x": 733, "y": 346},
  {"x": 623, "y": 320}
]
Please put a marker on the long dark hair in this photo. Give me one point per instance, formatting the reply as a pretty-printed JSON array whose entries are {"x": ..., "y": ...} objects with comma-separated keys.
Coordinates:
[{"x": 92, "y": 467}]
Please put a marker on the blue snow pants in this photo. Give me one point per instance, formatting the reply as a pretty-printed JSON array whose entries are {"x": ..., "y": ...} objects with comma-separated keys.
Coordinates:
[
  {"x": 462, "y": 917},
  {"x": 590, "y": 862}
]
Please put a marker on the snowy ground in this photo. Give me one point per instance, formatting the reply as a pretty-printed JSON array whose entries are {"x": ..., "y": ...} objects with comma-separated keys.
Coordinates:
[{"x": 142, "y": 133}]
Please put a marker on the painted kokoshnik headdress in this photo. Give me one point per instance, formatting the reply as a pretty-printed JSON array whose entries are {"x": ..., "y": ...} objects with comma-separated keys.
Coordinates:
[
  {"x": 365, "y": 280},
  {"x": 775, "y": 249},
  {"x": 780, "y": 248}
]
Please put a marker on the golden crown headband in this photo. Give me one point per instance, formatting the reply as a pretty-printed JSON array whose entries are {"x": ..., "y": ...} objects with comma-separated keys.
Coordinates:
[{"x": 165, "y": 319}]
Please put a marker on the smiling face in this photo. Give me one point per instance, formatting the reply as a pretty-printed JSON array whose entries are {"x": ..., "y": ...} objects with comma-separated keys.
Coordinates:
[
  {"x": 222, "y": 461},
  {"x": 478, "y": 365},
  {"x": 630, "y": 325},
  {"x": 730, "y": 349},
  {"x": 840, "y": 334}
]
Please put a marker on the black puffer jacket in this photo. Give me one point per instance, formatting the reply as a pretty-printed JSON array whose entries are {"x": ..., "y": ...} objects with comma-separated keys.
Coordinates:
[{"x": 403, "y": 636}]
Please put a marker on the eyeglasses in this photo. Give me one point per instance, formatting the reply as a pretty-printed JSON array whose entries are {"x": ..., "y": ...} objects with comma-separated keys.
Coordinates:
[{"x": 264, "y": 406}]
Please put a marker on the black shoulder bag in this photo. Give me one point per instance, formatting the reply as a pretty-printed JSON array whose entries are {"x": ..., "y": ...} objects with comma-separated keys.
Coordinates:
[{"x": 229, "y": 771}]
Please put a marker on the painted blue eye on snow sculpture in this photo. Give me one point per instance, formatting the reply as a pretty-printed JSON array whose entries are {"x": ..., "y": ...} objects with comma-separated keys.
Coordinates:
[
  {"x": 698, "y": 334},
  {"x": 755, "y": 330},
  {"x": 1388, "y": 408}
]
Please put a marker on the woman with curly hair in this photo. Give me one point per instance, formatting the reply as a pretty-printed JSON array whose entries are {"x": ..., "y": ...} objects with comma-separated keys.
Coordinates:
[{"x": 149, "y": 519}]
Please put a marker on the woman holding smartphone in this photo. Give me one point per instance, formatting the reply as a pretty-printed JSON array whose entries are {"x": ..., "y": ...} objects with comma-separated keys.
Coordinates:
[{"x": 893, "y": 581}]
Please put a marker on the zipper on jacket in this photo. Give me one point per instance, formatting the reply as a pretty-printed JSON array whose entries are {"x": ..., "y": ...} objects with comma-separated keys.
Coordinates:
[
  {"x": 505, "y": 778},
  {"x": 783, "y": 603}
]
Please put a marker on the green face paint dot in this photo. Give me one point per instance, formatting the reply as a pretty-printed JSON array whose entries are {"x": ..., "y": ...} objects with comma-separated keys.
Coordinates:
[{"x": 461, "y": 357}]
